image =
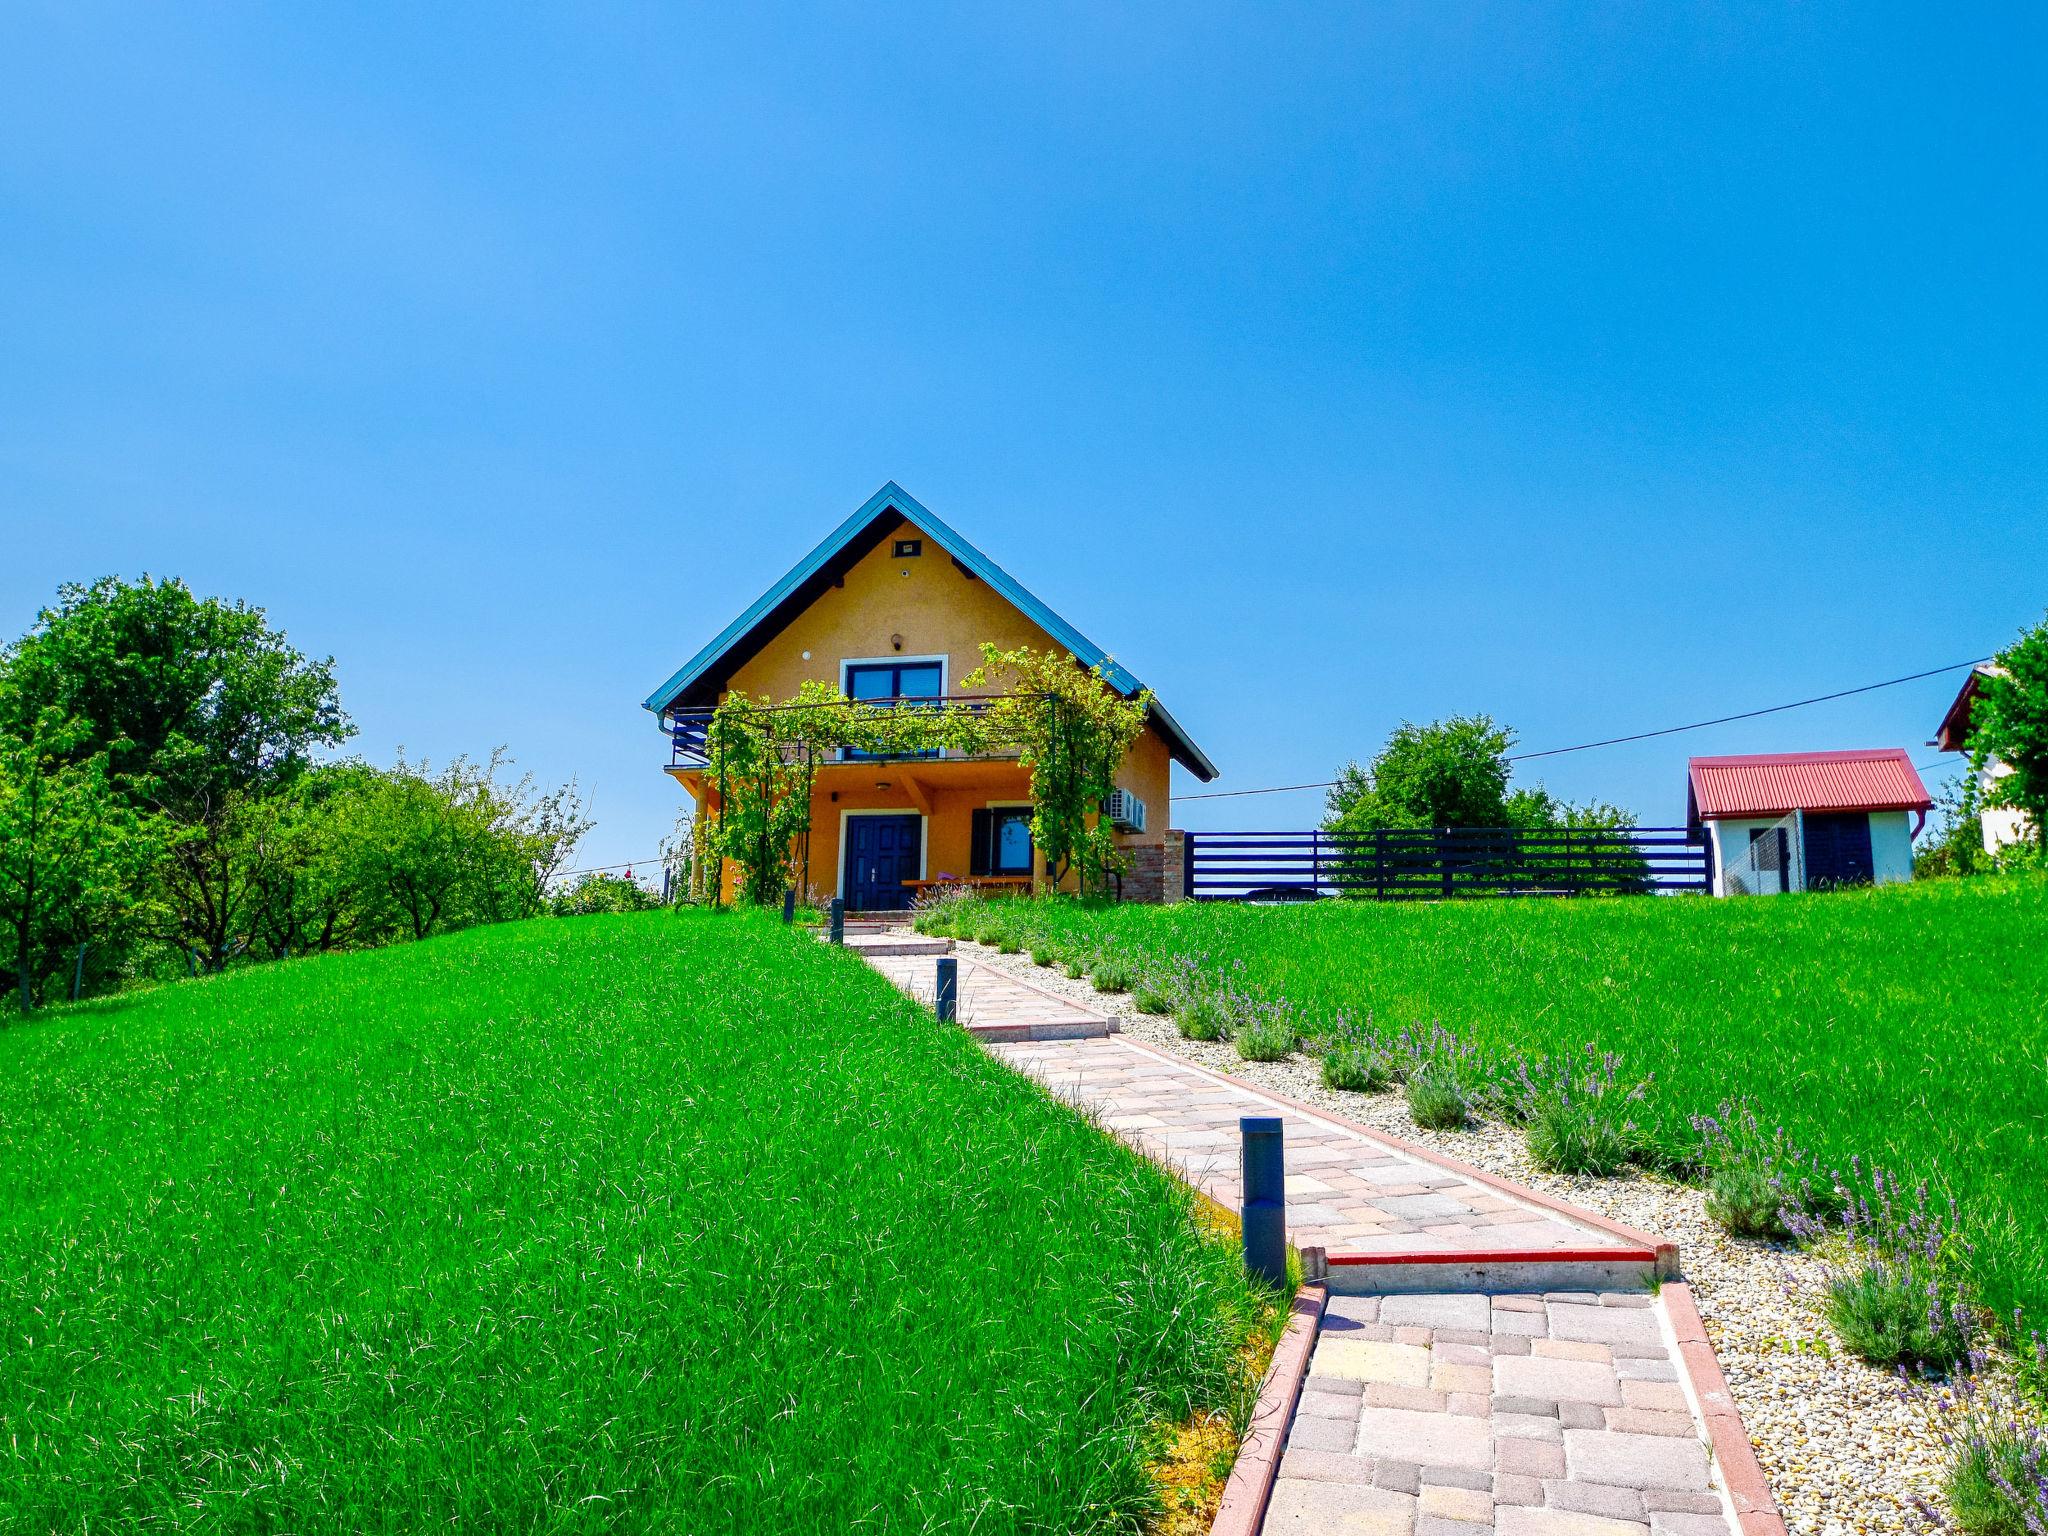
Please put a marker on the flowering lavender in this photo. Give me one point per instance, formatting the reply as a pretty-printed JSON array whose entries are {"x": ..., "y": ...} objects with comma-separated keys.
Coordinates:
[
  {"x": 1890, "y": 1297},
  {"x": 1998, "y": 1448},
  {"x": 1578, "y": 1114},
  {"x": 1757, "y": 1184}
]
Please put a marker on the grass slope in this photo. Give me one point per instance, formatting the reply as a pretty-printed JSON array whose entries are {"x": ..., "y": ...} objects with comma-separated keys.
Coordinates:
[
  {"x": 675, "y": 1221},
  {"x": 1907, "y": 1024}
]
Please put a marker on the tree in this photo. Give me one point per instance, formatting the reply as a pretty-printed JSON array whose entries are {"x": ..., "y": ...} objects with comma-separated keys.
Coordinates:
[
  {"x": 431, "y": 851},
  {"x": 1449, "y": 773},
  {"x": 68, "y": 846},
  {"x": 201, "y": 711},
  {"x": 2009, "y": 722},
  {"x": 192, "y": 700}
]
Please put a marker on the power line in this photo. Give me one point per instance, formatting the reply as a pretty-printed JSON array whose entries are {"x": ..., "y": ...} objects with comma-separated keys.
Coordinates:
[{"x": 1615, "y": 741}]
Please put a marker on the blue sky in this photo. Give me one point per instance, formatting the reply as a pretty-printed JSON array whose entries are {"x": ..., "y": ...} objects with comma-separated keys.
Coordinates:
[{"x": 1599, "y": 368}]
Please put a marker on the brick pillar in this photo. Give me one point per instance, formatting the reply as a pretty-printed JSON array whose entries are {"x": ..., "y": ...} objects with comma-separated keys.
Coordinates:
[
  {"x": 1144, "y": 880},
  {"x": 1173, "y": 871}
]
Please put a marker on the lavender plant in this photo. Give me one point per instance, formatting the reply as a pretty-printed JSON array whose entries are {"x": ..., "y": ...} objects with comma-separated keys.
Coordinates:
[
  {"x": 1578, "y": 1121},
  {"x": 1997, "y": 1479},
  {"x": 1890, "y": 1299},
  {"x": 1265, "y": 1029},
  {"x": 1758, "y": 1184},
  {"x": 1355, "y": 1059},
  {"x": 1203, "y": 1015}
]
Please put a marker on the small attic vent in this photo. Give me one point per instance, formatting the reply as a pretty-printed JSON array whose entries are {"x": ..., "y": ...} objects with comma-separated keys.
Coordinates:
[{"x": 909, "y": 548}]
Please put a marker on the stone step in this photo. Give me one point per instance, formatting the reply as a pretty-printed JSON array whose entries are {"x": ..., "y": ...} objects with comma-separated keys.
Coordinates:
[{"x": 898, "y": 944}]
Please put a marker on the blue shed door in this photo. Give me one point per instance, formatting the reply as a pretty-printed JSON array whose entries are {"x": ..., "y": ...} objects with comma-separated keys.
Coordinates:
[
  {"x": 881, "y": 853},
  {"x": 1838, "y": 850}
]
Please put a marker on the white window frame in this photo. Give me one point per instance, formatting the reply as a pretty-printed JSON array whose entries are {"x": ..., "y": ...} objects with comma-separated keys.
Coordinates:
[{"x": 848, "y": 663}]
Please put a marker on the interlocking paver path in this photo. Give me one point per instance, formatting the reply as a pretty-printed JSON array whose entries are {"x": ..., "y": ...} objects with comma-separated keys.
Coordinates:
[
  {"x": 992, "y": 1003},
  {"x": 1562, "y": 1414},
  {"x": 1346, "y": 1192},
  {"x": 1448, "y": 1412}
]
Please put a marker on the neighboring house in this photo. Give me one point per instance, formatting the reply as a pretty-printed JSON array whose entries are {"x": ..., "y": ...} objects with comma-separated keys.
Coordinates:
[
  {"x": 2003, "y": 825},
  {"x": 1796, "y": 821},
  {"x": 896, "y": 605}
]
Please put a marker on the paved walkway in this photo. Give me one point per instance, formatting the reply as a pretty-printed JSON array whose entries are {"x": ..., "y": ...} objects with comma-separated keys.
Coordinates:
[
  {"x": 1347, "y": 1192},
  {"x": 1563, "y": 1414},
  {"x": 1465, "y": 1403},
  {"x": 994, "y": 1005}
]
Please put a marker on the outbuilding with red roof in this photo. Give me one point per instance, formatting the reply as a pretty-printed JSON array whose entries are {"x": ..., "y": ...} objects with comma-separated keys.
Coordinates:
[{"x": 1795, "y": 821}]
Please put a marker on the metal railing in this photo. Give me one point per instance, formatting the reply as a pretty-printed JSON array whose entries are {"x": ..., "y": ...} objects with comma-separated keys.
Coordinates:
[{"x": 689, "y": 729}]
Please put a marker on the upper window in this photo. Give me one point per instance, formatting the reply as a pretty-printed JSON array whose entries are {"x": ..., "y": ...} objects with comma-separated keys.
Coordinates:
[
  {"x": 893, "y": 680},
  {"x": 907, "y": 549},
  {"x": 886, "y": 682}
]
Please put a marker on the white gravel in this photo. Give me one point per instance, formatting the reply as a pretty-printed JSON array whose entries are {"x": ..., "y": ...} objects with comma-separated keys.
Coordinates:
[{"x": 1844, "y": 1450}]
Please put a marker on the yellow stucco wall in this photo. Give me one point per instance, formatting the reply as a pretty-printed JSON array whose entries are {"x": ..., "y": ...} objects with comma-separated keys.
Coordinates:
[{"x": 938, "y": 610}]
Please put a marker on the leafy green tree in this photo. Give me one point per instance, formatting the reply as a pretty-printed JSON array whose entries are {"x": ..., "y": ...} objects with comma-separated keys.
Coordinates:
[
  {"x": 191, "y": 699},
  {"x": 601, "y": 893},
  {"x": 69, "y": 847},
  {"x": 1449, "y": 773},
  {"x": 2009, "y": 722},
  {"x": 201, "y": 711},
  {"x": 426, "y": 851}
]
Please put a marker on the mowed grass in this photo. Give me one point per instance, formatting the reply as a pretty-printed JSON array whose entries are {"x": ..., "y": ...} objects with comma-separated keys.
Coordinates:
[
  {"x": 677, "y": 1221},
  {"x": 1906, "y": 1025}
]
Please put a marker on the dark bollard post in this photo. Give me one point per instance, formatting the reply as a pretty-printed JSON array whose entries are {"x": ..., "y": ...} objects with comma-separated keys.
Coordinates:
[
  {"x": 789, "y": 905},
  {"x": 78, "y": 974},
  {"x": 1265, "y": 1199},
  {"x": 948, "y": 991},
  {"x": 838, "y": 913}
]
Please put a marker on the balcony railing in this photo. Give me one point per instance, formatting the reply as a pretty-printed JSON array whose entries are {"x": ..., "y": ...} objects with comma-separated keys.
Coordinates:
[{"x": 689, "y": 729}]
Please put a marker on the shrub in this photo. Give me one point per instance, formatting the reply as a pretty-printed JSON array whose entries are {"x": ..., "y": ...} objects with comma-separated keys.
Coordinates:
[
  {"x": 1893, "y": 1313},
  {"x": 1076, "y": 970},
  {"x": 1111, "y": 974},
  {"x": 1998, "y": 1483},
  {"x": 1009, "y": 944},
  {"x": 1758, "y": 1185},
  {"x": 1203, "y": 1016},
  {"x": 1578, "y": 1122},
  {"x": 1265, "y": 1032},
  {"x": 988, "y": 935},
  {"x": 1042, "y": 954},
  {"x": 1437, "y": 1099},
  {"x": 1152, "y": 995},
  {"x": 1358, "y": 1064}
]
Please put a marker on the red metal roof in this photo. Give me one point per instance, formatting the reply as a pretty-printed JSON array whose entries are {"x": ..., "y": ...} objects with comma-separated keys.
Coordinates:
[{"x": 1778, "y": 784}]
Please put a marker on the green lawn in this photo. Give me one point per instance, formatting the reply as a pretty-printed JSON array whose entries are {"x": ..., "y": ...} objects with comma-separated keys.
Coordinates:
[
  {"x": 1907, "y": 1025},
  {"x": 678, "y": 1221}
]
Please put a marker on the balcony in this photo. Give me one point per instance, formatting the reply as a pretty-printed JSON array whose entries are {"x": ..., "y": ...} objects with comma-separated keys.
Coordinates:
[{"x": 689, "y": 728}]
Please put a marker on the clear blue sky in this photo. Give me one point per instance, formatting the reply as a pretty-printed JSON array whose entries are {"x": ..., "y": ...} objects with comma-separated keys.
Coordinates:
[{"x": 1599, "y": 368}]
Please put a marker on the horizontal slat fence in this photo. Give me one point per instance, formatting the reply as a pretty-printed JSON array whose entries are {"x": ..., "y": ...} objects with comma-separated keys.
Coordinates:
[{"x": 1435, "y": 864}]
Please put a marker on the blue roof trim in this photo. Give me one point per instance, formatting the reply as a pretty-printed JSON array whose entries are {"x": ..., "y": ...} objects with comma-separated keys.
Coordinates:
[{"x": 1086, "y": 651}]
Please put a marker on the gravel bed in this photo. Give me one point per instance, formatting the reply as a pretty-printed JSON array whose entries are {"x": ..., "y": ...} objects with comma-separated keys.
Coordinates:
[{"x": 1842, "y": 1447}]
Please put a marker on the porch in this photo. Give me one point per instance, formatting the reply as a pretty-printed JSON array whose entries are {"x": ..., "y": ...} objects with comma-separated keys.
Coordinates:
[{"x": 881, "y": 830}]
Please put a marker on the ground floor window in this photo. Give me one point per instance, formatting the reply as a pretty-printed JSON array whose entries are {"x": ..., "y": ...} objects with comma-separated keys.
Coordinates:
[{"x": 1001, "y": 841}]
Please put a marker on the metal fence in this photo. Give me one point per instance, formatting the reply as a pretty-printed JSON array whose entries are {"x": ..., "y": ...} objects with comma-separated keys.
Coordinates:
[{"x": 1441, "y": 863}]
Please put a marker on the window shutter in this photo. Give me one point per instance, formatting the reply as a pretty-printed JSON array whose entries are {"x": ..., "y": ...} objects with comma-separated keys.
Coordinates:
[{"x": 981, "y": 842}]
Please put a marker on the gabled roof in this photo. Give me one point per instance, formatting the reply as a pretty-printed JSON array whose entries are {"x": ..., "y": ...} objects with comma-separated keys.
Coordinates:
[
  {"x": 1953, "y": 734},
  {"x": 1777, "y": 784},
  {"x": 703, "y": 676}
]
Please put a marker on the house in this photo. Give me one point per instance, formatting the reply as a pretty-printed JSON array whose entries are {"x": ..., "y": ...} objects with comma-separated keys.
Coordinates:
[
  {"x": 895, "y": 605},
  {"x": 2003, "y": 825},
  {"x": 1798, "y": 821}
]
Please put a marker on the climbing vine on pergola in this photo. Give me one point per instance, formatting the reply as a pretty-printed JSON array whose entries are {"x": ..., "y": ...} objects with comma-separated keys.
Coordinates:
[{"x": 1064, "y": 722}]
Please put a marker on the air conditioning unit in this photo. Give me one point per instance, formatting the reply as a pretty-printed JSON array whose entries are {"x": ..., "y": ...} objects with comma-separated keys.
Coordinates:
[{"x": 1125, "y": 811}]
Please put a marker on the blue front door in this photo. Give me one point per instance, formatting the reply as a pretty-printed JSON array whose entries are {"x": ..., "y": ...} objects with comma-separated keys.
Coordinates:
[{"x": 881, "y": 853}]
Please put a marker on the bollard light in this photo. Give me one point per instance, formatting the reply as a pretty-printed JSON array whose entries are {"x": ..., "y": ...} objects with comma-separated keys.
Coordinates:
[
  {"x": 838, "y": 918},
  {"x": 1265, "y": 1199},
  {"x": 789, "y": 905},
  {"x": 947, "y": 994}
]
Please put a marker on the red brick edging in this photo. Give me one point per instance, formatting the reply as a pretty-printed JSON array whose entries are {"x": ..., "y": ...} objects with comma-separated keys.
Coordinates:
[
  {"x": 1665, "y": 1250},
  {"x": 1755, "y": 1510},
  {"x": 1258, "y": 1458}
]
